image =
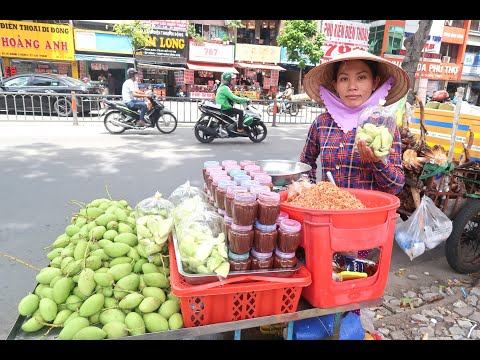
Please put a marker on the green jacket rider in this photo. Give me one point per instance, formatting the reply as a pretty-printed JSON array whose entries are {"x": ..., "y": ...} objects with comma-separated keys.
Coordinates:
[{"x": 225, "y": 98}]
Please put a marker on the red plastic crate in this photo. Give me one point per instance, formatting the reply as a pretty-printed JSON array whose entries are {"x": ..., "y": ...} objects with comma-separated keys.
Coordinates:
[
  {"x": 238, "y": 298},
  {"x": 325, "y": 232}
]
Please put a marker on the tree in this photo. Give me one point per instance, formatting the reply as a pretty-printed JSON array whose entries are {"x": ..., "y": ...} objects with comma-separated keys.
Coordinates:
[
  {"x": 232, "y": 26},
  {"x": 414, "y": 45},
  {"x": 137, "y": 32},
  {"x": 302, "y": 39}
]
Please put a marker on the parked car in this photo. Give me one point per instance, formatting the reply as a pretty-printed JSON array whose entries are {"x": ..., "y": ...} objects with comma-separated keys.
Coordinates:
[{"x": 52, "y": 103}]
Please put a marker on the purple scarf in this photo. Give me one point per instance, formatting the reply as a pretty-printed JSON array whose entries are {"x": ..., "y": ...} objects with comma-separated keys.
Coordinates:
[{"x": 345, "y": 117}]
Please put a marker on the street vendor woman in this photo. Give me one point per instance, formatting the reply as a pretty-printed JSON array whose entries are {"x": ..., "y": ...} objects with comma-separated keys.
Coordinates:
[{"x": 346, "y": 85}]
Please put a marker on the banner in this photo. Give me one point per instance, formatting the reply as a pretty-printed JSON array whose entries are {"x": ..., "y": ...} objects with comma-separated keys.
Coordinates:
[
  {"x": 166, "y": 43},
  {"x": 39, "y": 41}
]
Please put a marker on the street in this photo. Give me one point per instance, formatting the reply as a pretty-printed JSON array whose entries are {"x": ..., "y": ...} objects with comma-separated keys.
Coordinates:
[{"x": 44, "y": 167}]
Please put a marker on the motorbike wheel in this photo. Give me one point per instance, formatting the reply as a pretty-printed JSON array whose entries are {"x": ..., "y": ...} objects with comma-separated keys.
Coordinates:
[
  {"x": 112, "y": 128},
  {"x": 462, "y": 248},
  {"x": 167, "y": 123},
  {"x": 293, "y": 110},
  {"x": 63, "y": 107},
  {"x": 270, "y": 110},
  {"x": 200, "y": 135},
  {"x": 258, "y": 132}
]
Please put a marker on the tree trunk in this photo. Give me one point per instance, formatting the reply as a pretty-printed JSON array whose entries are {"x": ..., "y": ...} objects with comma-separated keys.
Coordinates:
[
  {"x": 300, "y": 90},
  {"x": 414, "y": 46}
]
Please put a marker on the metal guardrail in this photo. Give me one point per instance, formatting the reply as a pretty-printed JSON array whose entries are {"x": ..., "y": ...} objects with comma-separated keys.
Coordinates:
[{"x": 53, "y": 107}]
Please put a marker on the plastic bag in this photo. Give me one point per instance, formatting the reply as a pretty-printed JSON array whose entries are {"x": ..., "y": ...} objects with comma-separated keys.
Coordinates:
[
  {"x": 154, "y": 225},
  {"x": 376, "y": 125},
  {"x": 154, "y": 205},
  {"x": 427, "y": 227},
  {"x": 298, "y": 186},
  {"x": 186, "y": 191},
  {"x": 190, "y": 207}
]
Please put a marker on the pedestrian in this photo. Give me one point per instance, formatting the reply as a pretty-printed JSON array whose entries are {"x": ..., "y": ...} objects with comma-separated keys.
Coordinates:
[
  {"x": 102, "y": 78},
  {"x": 130, "y": 93},
  {"x": 111, "y": 84},
  {"x": 215, "y": 86}
]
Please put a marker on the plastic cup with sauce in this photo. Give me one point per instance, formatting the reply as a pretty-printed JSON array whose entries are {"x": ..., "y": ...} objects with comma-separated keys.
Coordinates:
[
  {"x": 258, "y": 189},
  {"x": 261, "y": 260},
  {"x": 282, "y": 260},
  {"x": 264, "y": 180},
  {"x": 265, "y": 237},
  {"x": 244, "y": 208},
  {"x": 227, "y": 223},
  {"x": 249, "y": 168},
  {"x": 239, "y": 178},
  {"x": 240, "y": 237},
  {"x": 239, "y": 262},
  {"x": 229, "y": 162},
  {"x": 229, "y": 196},
  {"x": 215, "y": 180},
  {"x": 234, "y": 172},
  {"x": 221, "y": 191},
  {"x": 289, "y": 235},
  {"x": 282, "y": 215},
  {"x": 231, "y": 167},
  {"x": 248, "y": 183},
  {"x": 268, "y": 208},
  {"x": 243, "y": 163}
]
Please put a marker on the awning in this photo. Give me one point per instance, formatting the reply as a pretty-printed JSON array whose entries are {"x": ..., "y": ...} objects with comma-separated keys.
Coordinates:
[
  {"x": 259, "y": 66},
  {"x": 212, "y": 67},
  {"x": 121, "y": 59},
  {"x": 162, "y": 67}
]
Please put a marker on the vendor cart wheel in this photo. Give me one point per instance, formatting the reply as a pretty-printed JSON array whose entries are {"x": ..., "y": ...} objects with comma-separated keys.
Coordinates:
[
  {"x": 462, "y": 248},
  {"x": 200, "y": 135},
  {"x": 294, "y": 109}
]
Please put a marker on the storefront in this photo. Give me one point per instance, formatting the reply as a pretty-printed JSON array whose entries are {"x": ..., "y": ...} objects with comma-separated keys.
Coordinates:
[
  {"x": 259, "y": 71},
  {"x": 27, "y": 47},
  {"x": 208, "y": 61},
  {"x": 165, "y": 55}
]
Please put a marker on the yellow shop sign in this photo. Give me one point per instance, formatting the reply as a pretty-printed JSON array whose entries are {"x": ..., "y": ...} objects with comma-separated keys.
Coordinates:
[{"x": 39, "y": 41}]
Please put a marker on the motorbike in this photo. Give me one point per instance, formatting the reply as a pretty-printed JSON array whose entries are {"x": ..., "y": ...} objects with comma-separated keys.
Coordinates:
[
  {"x": 118, "y": 117},
  {"x": 214, "y": 123},
  {"x": 282, "y": 108}
]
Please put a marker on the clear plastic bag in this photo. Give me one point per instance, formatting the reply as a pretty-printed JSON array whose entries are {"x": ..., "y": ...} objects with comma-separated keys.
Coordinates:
[
  {"x": 427, "y": 227},
  {"x": 298, "y": 186},
  {"x": 376, "y": 125},
  {"x": 186, "y": 191},
  {"x": 190, "y": 207},
  {"x": 155, "y": 205},
  {"x": 154, "y": 225}
]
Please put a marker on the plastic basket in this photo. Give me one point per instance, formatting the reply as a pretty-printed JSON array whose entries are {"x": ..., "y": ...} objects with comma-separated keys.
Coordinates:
[
  {"x": 325, "y": 232},
  {"x": 238, "y": 298}
]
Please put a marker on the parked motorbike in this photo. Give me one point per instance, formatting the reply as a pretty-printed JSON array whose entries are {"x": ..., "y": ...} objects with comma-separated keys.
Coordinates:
[
  {"x": 283, "y": 108},
  {"x": 118, "y": 117},
  {"x": 214, "y": 123}
]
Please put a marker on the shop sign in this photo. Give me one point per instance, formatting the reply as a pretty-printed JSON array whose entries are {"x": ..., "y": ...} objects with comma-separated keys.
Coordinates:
[
  {"x": 169, "y": 43},
  {"x": 211, "y": 52},
  {"x": 257, "y": 53},
  {"x": 453, "y": 35},
  {"x": 346, "y": 32},
  {"x": 168, "y": 24},
  {"x": 433, "y": 70},
  {"x": 102, "y": 42},
  {"x": 285, "y": 60},
  {"x": 202, "y": 95},
  {"x": 434, "y": 39},
  {"x": 471, "y": 65},
  {"x": 36, "y": 40},
  {"x": 179, "y": 77},
  {"x": 188, "y": 76}
]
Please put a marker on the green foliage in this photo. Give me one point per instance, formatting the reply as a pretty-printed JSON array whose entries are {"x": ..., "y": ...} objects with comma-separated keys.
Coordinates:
[
  {"x": 137, "y": 32},
  {"x": 233, "y": 24},
  {"x": 301, "y": 37},
  {"x": 191, "y": 32}
]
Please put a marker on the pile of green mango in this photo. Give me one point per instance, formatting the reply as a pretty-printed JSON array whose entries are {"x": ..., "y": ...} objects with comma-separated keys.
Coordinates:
[
  {"x": 100, "y": 283},
  {"x": 378, "y": 138}
]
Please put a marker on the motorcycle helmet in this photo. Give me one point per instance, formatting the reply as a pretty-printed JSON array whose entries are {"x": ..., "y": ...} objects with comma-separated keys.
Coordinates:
[
  {"x": 131, "y": 72},
  {"x": 227, "y": 78},
  {"x": 289, "y": 85}
]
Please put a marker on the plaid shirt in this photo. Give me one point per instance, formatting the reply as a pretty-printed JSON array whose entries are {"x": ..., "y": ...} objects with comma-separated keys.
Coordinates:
[{"x": 337, "y": 154}]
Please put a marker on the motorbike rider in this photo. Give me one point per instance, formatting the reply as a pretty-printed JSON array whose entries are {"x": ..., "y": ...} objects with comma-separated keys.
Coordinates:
[
  {"x": 226, "y": 99},
  {"x": 130, "y": 93},
  {"x": 286, "y": 95}
]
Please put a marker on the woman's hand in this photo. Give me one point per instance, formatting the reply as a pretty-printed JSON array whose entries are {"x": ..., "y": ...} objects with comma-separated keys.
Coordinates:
[{"x": 366, "y": 152}]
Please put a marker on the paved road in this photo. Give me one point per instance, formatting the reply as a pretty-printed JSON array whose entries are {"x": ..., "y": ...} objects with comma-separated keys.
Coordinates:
[{"x": 45, "y": 166}]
